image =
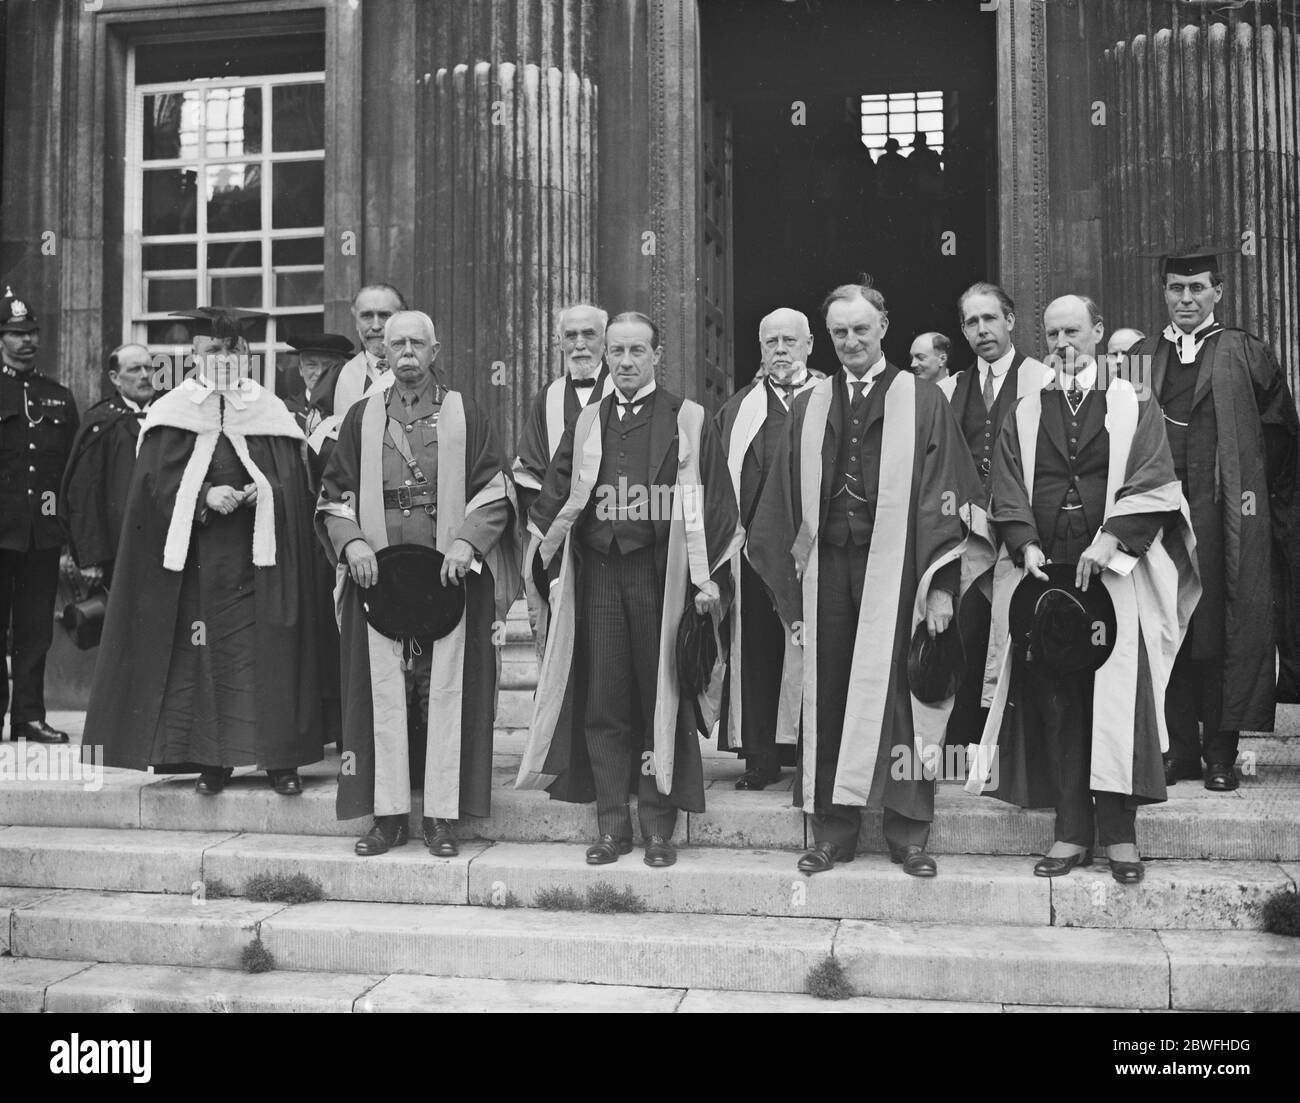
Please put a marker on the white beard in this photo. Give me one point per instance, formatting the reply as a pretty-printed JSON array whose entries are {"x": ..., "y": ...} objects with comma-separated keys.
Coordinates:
[{"x": 578, "y": 372}]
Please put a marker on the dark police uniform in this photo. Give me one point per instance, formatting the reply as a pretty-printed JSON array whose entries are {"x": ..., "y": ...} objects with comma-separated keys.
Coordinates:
[{"x": 38, "y": 421}]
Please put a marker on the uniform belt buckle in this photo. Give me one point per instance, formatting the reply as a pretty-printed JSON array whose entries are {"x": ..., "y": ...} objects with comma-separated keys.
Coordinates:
[{"x": 403, "y": 497}]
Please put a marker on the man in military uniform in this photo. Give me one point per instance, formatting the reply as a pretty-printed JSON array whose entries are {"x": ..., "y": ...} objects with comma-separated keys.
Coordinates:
[
  {"x": 38, "y": 421},
  {"x": 98, "y": 475}
]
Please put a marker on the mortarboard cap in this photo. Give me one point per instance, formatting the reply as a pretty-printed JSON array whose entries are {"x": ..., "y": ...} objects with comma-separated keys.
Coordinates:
[
  {"x": 1190, "y": 258},
  {"x": 322, "y": 342},
  {"x": 15, "y": 317},
  {"x": 219, "y": 321}
]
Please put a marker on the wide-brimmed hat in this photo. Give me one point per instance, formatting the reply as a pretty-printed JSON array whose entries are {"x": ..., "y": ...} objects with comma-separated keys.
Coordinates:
[
  {"x": 1056, "y": 628},
  {"x": 409, "y": 600}
]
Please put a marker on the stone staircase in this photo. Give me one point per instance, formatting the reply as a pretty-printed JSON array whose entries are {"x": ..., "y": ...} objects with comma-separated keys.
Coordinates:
[{"x": 105, "y": 903}]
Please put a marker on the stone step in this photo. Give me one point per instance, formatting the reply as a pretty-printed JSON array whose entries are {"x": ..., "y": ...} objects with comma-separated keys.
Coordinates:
[
  {"x": 1259, "y": 822},
  {"x": 1053, "y": 966},
  {"x": 971, "y": 888},
  {"x": 37, "y": 984}
]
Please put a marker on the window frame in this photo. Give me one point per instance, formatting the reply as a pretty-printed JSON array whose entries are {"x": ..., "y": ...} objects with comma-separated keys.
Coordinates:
[{"x": 135, "y": 313}]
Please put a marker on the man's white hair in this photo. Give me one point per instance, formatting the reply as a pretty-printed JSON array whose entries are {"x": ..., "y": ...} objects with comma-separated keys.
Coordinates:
[
  {"x": 424, "y": 318},
  {"x": 565, "y": 311},
  {"x": 779, "y": 314}
]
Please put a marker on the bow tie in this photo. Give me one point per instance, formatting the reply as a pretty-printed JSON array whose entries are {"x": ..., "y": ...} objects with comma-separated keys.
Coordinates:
[
  {"x": 583, "y": 384},
  {"x": 789, "y": 388}
]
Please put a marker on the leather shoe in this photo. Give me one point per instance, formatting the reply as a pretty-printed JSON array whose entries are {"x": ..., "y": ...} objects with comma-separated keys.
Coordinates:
[
  {"x": 285, "y": 782},
  {"x": 439, "y": 839},
  {"x": 659, "y": 852},
  {"x": 914, "y": 860},
  {"x": 1059, "y": 867},
  {"x": 1220, "y": 777},
  {"x": 755, "y": 779},
  {"x": 1176, "y": 771},
  {"x": 37, "y": 731},
  {"x": 211, "y": 782},
  {"x": 606, "y": 849},
  {"x": 823, "y": 857},
  {"x": 1126, "y": 873},
  {"x": 387, "y": 832}
]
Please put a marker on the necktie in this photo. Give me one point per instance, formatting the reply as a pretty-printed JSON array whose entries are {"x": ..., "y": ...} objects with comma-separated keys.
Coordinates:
[
  {"x": 990, "y": 396},
  {"x": 628, "y": 407},
  {"x": 859, "y": 387},
  {"x": 1074, "y": 396}
]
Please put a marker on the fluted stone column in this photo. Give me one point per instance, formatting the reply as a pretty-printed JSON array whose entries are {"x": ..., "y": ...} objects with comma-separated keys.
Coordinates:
[
  {"x": 506, "y": 193},
  {"x": 1204, "y": 146}
]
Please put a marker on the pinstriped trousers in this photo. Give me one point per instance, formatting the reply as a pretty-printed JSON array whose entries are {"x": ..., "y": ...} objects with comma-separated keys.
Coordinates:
[{"x": 621, "y": 612}]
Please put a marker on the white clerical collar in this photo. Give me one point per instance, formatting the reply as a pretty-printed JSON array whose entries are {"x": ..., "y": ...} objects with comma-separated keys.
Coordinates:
[
  {"x": 639, "y": 396},
  {"x": 1001, "y": 365},
  {"x": 1085, "y": 377},
  {"x": 1187, "y": 344},
  {"x": 201, "y": 390},
  {"x": 869, "y": 376}
]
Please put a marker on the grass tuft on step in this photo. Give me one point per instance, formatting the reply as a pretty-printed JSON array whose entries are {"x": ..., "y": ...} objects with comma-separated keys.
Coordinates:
[
  {"x": 297, "y": 888},
  {"x": 216, "y": 889},
  {"x": 256, "y": 958},
  {"x": 826, "y": 980},
  {"x": 1282, "y": 914},
  {"x": 601, "y": 897},
  {"x": 557, "y": 899}
]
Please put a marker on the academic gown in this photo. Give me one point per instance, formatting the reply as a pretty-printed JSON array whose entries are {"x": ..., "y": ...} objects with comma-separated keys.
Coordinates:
[
  {"x": 928, "y": 499},
  {"x": 1241, "y": 448},
  {"x": 209, "y": 654},
  {"x": 556, "y": 755},
  {"x": 1126, "y": 481},
  {"x": 752, "y": 423},
  {"x": 464, "y": 693},
  {"x": 98, "y": 479},
  {"x": 542, "y": 430}
]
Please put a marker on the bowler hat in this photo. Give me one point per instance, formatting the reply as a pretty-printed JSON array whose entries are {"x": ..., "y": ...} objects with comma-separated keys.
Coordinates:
[
  {"x": 409, "y": 600},
  {"x": 697, "y": 652},
  {"x": 84, "y": 620},
  {"x": 935, "y": 664},
  {"x": 333, "y": 343},
  {"x": 1059, "y": 630}
]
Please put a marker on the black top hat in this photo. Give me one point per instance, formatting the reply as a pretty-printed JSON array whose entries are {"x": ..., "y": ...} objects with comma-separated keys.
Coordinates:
[
  {"x": 935, "y": 665},
  {"x": 409, "y": 601},
  {"x": 219, "y": 321},
  {"x": 1059, "y": 630},
  {"x": 334, "y": 343},
  {"x": 697, "y": 652},
  {"x": 15, "y": 317}
]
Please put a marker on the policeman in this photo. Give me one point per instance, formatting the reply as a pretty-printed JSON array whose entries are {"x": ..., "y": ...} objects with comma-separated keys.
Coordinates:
[{"x": 38, "y": 420}]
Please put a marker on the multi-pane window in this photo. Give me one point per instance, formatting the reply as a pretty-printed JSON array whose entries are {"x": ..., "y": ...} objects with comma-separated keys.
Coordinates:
[
  {"x": 226, "y": 207},
  {"x": 901, "y": 115}
]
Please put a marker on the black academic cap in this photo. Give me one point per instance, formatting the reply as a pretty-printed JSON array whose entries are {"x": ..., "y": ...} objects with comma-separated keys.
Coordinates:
[
  {"x": 409, "y": 601},
  {"x": 697, "y": 652},
  {"x": 219, "y": 321},
  {"x": 334, "y": 343},
  {"x": 934, "y": 666},
  {"x": 1059, "y": 630},
  {"x": 1189, "y": 258}
]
